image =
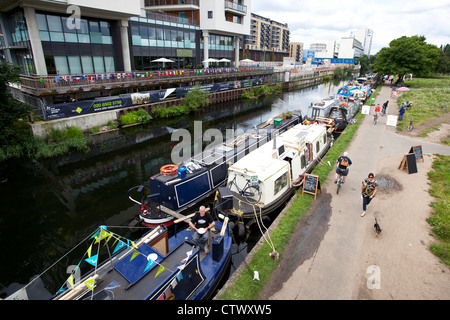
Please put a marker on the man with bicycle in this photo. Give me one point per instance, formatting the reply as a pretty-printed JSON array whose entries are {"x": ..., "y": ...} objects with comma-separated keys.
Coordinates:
[{"x": 343, "y": 162}]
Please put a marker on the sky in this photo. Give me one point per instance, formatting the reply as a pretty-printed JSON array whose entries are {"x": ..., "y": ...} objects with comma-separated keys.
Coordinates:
[{"x": 322, "y": 20}]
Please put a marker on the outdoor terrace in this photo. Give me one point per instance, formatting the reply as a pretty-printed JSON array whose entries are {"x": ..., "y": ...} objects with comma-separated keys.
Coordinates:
[{"x": 71, "y": 84}]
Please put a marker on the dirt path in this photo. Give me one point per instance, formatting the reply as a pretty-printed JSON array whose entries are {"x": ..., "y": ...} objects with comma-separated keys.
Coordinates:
[{"x": 335, "y": 253}]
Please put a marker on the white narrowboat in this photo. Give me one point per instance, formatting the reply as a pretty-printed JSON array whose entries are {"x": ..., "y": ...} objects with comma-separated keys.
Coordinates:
[{"x": 264, "y": 178}]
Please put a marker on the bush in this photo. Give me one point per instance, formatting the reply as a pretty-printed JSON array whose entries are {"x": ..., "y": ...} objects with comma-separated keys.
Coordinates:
[{"x": 140, "y": 116}]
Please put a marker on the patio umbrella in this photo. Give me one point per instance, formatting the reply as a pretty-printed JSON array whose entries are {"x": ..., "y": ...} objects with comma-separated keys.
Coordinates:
[
  {"x": 210, "y": 60},
  {"x": 163, "y": 60},
  {"x": 403, "y": 89},
  {"x": 224, "y": 60},
  {"x": 247, "y": 60}
]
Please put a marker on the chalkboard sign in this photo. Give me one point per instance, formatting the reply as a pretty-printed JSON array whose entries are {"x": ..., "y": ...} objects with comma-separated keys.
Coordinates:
[
  {"x": 409, "y": 162},
  {"x": 311, "y": 184},
  {"x": 411, "y": 159},
  {"x": 417, "y": 150}
]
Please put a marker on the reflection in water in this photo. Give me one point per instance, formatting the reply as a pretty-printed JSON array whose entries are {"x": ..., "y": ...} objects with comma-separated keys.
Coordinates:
[{"x": 50, "y": 206}]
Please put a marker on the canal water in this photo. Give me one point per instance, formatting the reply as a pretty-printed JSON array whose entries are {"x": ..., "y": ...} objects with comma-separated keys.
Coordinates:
[{"x": 49, "y": 206}]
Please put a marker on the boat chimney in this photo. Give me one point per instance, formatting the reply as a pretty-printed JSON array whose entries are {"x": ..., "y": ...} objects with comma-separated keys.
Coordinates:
[{"x": 274, "y": 141}]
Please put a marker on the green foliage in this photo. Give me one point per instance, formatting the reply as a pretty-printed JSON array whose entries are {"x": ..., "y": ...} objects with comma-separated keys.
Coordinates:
[
  {"x": 140, "y": 116},
  {"x": 366, "y": 63},
  {"x": 196, "y": 99},
  {"x": 443, "y": 64},
  {"x": 257, "y": 92},
  {"x": 440, "y": 218},
  {"x": 407, "y": 55},
  {"x": 173, "y": 111},
  {"x": 429, "y": 97},
  {"x": 10, "y": 110}
]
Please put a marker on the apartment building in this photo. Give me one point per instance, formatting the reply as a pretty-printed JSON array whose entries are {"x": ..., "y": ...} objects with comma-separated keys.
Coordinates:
[
  {"x": 296, "y": 51},
  {"x": 365, "y": 36},
  {"x": 67, "y": 37},
  {"x": 268, "y": 39}
]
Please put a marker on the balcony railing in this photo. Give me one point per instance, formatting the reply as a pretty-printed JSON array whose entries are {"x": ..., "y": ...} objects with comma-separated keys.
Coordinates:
[
  {"x": 235, "y": 6},
  {"x": 158, "y": 3},
  {"x": 70, "y": 84}
]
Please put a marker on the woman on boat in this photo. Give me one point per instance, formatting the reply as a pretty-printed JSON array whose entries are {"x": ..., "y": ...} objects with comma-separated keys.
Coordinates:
[{"x": 201, "y": 223}]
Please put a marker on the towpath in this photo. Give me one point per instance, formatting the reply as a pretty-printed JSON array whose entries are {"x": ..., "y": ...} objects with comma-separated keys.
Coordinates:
[{"x": 335, "y": 253}]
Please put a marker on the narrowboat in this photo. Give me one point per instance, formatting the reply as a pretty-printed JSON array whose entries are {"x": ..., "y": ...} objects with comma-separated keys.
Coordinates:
[
  {"x": 321, "y": 109},
  {"x": 154, "y": 267},
  {"x": 266, "y": 178},
  {"x": 179, "y": 189},
  {"x": 343, "y": 113}
]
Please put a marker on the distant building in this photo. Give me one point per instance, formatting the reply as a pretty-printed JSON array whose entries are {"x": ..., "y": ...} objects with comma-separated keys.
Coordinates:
[
  {"x": 268, "y": 39},
  {"x": 350, "y": 48},
  {"x": 296, "y": 51},
  {"x": 309, "y": 54},
  {"x": 364, "y": 36}
]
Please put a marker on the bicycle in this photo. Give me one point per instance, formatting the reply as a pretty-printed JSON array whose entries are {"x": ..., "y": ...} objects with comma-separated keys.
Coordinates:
[
  {"x": 250, "y": 193},
  {"x": 375, "y": 118},
  {"x": 340, "y": 182},
  {"x": 410, "y": 126}
]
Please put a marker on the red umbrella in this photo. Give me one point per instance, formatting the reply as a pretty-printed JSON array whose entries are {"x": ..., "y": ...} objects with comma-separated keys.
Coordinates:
[{"x": 403, "y": 89}]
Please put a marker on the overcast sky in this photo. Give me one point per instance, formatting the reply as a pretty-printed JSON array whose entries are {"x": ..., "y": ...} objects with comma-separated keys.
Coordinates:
[{"x": 319, "y": 21}]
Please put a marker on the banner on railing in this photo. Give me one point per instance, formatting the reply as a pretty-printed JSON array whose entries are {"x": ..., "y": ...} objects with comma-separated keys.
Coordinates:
[
  {"x": 65, "y": 110},
  {"x": 71, "y": 109},
  {"x": 222, "y": 86}
]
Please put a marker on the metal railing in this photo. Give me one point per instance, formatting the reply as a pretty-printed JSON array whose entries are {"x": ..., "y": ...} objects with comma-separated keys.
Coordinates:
[
  {"x": 155, "y": 3},
  {"x": 66, "y": 84},
  {"x": 235, "y": 6}
]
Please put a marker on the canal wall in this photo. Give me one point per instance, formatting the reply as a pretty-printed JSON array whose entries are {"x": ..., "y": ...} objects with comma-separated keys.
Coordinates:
[{"x": 85, "y": 122}]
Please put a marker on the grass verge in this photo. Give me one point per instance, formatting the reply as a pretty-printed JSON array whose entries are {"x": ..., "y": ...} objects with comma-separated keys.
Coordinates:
[
  {"x": 440, "y": 217},
  {"x": 245, "y": 288},
  {"x": 429, "y": 97}
]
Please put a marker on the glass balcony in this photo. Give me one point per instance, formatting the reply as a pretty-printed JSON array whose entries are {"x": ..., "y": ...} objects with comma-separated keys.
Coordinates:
[{"x": 235, "y": 7}]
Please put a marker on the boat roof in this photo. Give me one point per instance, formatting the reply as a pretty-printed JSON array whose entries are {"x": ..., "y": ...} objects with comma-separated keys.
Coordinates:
[
  {"x": 267, "y": 161},
  {"x": 324, "y": 103}
]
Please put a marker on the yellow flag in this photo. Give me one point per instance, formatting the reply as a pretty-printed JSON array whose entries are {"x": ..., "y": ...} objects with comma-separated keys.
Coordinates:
[
  {"x": 89, "y": 251},
  {"x": 134, "y": 255},
  {"x": 90, "y": 283},
  {"x": 134, "y": 245},
  {"x": 160, "y": 270},
  {"x": 70, "y": 281}
]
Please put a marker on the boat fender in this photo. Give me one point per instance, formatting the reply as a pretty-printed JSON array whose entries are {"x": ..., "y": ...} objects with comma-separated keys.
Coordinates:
[
  {"x": 231, "y": 225},
  {"x": 241, "y": 229}
]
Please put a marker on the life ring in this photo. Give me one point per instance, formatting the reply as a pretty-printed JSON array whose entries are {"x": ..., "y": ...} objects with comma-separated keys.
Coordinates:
[{"x": 169, "y": 169}]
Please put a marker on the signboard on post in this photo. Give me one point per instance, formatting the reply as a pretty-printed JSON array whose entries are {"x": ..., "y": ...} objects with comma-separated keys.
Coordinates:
[
  {"x": 391, "y": 121},
  {"x": 311, "y": 184}
]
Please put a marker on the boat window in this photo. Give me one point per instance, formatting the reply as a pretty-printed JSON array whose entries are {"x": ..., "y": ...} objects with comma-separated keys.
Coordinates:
[
  {"x": 303, "y": 161},
  {"x": 324, "y": 139},
  {"x": 317, "y": 146},
  {"x": 280, "y": 183}
]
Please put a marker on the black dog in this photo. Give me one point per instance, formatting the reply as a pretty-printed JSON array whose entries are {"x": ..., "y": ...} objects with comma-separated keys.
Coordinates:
[{"x": 377, "y": 227}]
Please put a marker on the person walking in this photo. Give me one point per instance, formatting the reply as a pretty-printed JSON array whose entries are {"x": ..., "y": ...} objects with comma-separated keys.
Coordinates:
[
  {"x": 385, "y": 105},
  {"x": 368, "y": 190},
  {"x": 201, "y": 222}
]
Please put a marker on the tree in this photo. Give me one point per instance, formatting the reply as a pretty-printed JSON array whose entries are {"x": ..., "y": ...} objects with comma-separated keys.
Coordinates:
[
  {"x": 10, "y": 109},
  {"x": 407, "y": 55},
  {"x": 443, "y": 64},
  {"x": 366, "y": 63}
]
